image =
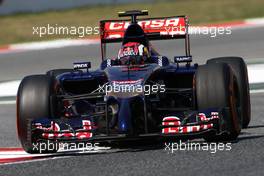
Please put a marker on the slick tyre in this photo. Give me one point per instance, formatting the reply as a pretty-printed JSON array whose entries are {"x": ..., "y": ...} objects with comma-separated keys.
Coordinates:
[
  {"x": 240, "y": 70},
  {"x": 216, "y": 87},
  {"x": 33, "y": 102}
]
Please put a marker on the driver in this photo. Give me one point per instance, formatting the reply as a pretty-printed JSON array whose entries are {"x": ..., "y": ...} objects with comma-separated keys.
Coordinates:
[{"x": 133, "y": 53}]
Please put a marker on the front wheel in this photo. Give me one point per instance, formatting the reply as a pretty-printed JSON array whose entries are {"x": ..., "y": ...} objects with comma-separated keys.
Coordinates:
[
  {"x": 240, "y": 70},
  {"x": 33, "y": 102},
  {"x": 216, "y": 87}
]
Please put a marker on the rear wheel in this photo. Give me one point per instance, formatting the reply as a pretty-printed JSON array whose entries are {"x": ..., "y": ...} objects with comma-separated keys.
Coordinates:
[
  {"x": 216, "y": 88},
  {"x": 240, "y": 70},
  {"x": 33, "y": 102}
]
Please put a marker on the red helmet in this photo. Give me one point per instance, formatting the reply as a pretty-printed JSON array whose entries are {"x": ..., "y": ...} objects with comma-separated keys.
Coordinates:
[{"x": 133, "y": 50}]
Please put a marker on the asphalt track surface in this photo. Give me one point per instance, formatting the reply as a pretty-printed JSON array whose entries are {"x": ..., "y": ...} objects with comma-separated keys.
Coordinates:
[{"x": 246, "y": 156}]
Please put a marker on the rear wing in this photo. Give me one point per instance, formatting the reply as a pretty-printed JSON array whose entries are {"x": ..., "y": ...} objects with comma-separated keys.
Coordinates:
[{"x": 175, "y": 27}]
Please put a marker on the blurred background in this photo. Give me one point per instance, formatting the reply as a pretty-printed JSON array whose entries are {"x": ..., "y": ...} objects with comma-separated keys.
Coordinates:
[
  {"x": 17, "y": 17},
  {"x": 40, "y": 54},
  {"x": 15, "y": 6}
]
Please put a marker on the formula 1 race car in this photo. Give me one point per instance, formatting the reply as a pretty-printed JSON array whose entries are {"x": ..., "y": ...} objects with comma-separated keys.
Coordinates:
[{"x": 139, "y": 94}]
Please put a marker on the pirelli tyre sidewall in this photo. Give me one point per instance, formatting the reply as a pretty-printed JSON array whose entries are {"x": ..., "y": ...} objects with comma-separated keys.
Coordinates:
[
  {"x": 216, "y": 87},
  {"x": 33, "y": 102},
  {"x": 240, "y": 70}
]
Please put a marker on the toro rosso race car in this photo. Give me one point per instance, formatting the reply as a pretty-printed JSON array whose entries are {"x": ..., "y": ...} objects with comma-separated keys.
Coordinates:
[{"x": 138, "y": 94}]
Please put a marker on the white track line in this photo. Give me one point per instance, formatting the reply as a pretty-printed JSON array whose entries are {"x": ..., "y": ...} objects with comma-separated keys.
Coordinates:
[
  {"x": 256, "y": 73},
  {"x": 7, "y": 102},
  {"x": 257, "y": 91},
  {"x": 9, "y": 88},
  {"x": 17, "y": 156},
  {"x": 43, "y": 45},
  {"x": 53, "y": 44},
  {"x": 255, "y": 21}
]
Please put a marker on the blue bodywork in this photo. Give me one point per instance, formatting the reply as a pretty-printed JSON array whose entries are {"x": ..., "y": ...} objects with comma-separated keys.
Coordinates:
[
  {"x": 123, "y": 121},
  {"x": 88, "y": 110}
]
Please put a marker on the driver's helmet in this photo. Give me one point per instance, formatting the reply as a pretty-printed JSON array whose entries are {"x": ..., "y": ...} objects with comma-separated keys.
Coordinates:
[{"x": 133, "y": 53}]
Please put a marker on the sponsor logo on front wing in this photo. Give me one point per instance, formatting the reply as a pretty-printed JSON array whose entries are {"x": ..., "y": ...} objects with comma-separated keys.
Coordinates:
[{"x": 83, "y": 133}]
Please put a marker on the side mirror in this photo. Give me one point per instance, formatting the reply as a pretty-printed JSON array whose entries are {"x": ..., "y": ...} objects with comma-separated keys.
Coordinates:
[
  {"x": 81, "y": 65},
  {"x": 180, "y": 59}
]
